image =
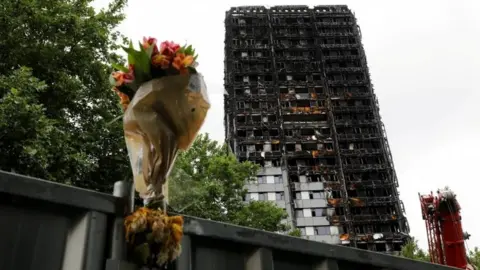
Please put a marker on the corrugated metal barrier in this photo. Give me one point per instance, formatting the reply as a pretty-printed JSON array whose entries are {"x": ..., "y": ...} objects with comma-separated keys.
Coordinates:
[{"x": 49, "y": 226}]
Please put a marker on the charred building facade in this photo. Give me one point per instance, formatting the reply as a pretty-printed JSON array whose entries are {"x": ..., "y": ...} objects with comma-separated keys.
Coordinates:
[{"x": 300, "y": 103}]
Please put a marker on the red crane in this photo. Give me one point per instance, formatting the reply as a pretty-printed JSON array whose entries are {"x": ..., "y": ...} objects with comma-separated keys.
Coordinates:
[{"x": 446, "y": 239}]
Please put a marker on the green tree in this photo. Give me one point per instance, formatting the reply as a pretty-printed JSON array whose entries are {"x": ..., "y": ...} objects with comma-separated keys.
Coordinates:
[
  {"x": 411, "y": 250},
  {"x": 209, "y": 182},
  {"x": 295, "y": 232},
  {"x": 55, "y": 97},
  {"x": 474, "y": 257}
]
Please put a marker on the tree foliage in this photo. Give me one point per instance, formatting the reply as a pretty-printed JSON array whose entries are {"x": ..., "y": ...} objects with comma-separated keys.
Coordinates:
[
  {"x": 411, "y": 250},
  {"x": 55, "y": 97},
  {"x": 474, "y": 257},
  {"x": 209, "y": 182}
]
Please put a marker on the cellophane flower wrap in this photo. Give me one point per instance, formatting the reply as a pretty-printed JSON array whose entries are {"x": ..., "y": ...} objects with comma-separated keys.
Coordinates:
[{"x": 165, "y": 104}]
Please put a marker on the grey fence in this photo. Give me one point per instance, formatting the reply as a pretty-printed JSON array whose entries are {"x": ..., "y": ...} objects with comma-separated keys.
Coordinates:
[{"x": 49, "y": 226}]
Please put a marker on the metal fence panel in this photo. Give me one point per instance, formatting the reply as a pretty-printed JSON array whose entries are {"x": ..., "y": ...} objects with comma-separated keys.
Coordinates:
[{"x": 48, "y": 226}]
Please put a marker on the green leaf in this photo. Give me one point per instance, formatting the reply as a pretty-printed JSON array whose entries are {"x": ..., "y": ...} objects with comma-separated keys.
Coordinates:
[
  {"x": 149, "y": 50},
  {"x": 112, "y": 80},
  {"x": 130, "y": 51},
  {"x": 120, "y": 67}
]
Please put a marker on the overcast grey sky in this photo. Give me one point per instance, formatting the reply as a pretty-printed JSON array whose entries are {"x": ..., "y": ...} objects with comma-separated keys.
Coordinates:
[{"x": 424, "y": 61}]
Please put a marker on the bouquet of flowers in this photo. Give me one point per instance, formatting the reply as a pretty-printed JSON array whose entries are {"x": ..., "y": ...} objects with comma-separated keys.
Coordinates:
[{"x": 165, "y": 103}]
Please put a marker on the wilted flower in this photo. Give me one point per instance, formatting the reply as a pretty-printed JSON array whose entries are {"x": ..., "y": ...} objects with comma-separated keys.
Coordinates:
[{"x": 166, "y": 231}]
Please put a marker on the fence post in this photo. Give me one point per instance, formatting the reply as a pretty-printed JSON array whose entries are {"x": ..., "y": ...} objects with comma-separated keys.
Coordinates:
[{"x": 118, "y": 256}]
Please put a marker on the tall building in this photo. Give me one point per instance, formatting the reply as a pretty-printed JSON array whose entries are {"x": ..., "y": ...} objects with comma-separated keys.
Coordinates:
[{"x": 300, "y": 103}]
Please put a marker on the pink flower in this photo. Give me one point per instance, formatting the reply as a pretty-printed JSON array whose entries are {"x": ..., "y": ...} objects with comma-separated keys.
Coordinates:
[{"x": 169, "y": 48}]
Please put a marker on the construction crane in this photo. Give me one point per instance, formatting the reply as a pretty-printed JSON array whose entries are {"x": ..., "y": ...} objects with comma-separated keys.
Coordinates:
[{"x": 446, "y": 239}]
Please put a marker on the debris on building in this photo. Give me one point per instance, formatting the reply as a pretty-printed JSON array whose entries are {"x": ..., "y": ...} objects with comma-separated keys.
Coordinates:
[{"x": 299, "y": 102}]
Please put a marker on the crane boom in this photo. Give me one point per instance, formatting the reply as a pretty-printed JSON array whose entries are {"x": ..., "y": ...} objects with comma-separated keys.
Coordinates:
[{"x": 446, "y": 240}]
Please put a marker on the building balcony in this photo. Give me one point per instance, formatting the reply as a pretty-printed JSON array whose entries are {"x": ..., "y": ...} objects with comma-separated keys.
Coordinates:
[
  {"x": 345, "y": 122},
  {"x": 248, "y": 46},
  {"x": 344, "y": 69},
  {"x": 310, "y": 138},
  {"x": 256, "y": 124},
  {"x": 331, "y": 10},
  {"x": 290, "y": 47},
  {"x": 253, "y": 58},
  {"x": 312, "y": 221},
  {"x": 358, "y": 137},
  {"x": 270, "y": 171},
  {"x": 368, "y": 218},
  {"x": 304, "y": 124},
  {"x": 336, "y": 34},
  {"x": 348, "y": 82},
  {"x": 345, "y": 109},
  {"x": 262, "y": 24},
  {"x": 312, "y": 203},
  {"x": 257, "y": 139},
  {"x": 255, "y": 97},
  {"x": 343, "y": 57},
  {"x": 339, "y": 46},
  {"x": 300, "y": 96},
  {"x": 308, "y": 186},
  {"x": 365, "y": 167},
  {"x": 250, "y": 70},
  {"x": 372, "y": 201},
  {"x": 304, "y": 110},
  {"x": 370, "y": 184},
  {"x": 353, "y": 94},
  {"x": 333, "y": 185},
  {"x": 250, "y": 111},
  {"x": 361, "y": 152},
  {"x": 323, "y": 24},
  {"x": 259, "y": 155},
  {"x": 318, "y": 169},
  {"x": 265, "y": 187},
  {"x": 294, "y": 57},
  {"x": 379, "y": 236}
]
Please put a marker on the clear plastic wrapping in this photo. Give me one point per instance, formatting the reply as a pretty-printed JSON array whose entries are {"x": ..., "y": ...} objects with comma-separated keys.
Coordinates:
[{"x": 163, "y": 117}]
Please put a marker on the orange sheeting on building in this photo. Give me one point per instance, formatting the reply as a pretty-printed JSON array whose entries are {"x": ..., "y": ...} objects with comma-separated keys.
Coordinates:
[
  {"x": 357, "y": 202},
  {"x": 335, "y": 202}
]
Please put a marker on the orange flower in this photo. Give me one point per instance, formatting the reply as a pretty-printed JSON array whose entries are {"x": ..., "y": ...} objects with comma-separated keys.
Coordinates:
[
  {"x": 161, "y": 60},
  {"x": 118, "y": 76},
  {"x": 124, "y": 99},
  {"x": 182, "y": 61},
  {"x": 122, "y": 77}
]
